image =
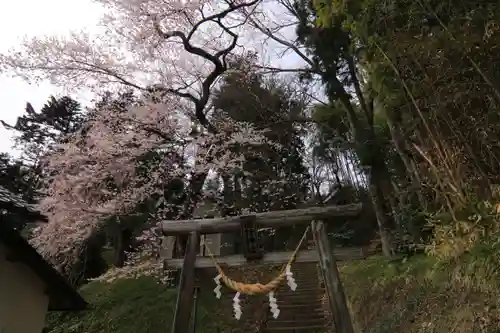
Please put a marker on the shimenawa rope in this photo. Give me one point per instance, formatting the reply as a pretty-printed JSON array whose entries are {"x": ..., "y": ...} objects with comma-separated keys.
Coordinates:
[{"x": 255, "y": 288}]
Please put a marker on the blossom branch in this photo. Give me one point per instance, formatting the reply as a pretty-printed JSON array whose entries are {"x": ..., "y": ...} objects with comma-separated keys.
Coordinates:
[{"x": 218, "y": 60}]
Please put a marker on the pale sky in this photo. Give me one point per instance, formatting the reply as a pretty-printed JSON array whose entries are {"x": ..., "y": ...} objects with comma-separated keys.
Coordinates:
[{"x": 34, "y": 18}]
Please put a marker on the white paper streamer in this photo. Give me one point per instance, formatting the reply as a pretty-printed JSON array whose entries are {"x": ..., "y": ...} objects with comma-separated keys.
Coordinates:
[
  {"x": 237, "y": 306},
  {"x": 289, "y": 277},
  {"x": 219, "y": 286},
  {"x": 273, "y": 305}
]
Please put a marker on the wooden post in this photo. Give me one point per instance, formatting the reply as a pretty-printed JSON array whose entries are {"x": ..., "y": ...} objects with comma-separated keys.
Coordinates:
[
  {"x": 195, "y": 309},
  {"x": 336, "y": 296},
  {"x": 185, "y": 295}
]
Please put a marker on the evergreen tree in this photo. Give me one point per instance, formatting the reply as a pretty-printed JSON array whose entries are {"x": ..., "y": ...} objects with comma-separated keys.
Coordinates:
[{"x": 36, "y": 131}]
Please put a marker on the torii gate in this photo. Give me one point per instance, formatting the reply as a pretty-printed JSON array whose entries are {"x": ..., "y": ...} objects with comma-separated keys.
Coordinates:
[{"x": 275, "y": 219}]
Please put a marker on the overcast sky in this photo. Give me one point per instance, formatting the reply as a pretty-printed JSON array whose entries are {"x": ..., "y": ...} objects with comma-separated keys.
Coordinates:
[
  {"x": 21, "y": 18},
  {"x": 32, "y": 18}
]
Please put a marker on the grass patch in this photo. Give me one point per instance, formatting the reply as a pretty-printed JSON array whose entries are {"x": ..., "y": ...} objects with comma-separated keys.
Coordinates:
[
  {"x": 419, "y": 294},
  {"x": 127, "y": 306},
  {"x": 144, "y": 306},
  {"x": 423, "y": 295}
]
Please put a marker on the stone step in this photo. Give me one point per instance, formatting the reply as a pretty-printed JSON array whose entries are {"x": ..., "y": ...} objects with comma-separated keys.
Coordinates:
[
  {"x": 301, "y": 285},
  {"x": 301, "y": 328},
  {"x": 312, "y": 294},
  {"x": 298, "y": 306},
  {"x": 299, "y": 299},
  {"x": 304, "y": 304},
  {"x": 293, "y": 323},
  {"x": 297, "y": 315},
  {"x": 313, "y": 307},
  {"x": 280, "y": 293},
  {"x": 299, "y": 279},
  {"x": 311, "y": 282},
  {"x": 304, "y": 291},
  {"x": 307, "y": 276},
  {"x": 302, "y": 299}
]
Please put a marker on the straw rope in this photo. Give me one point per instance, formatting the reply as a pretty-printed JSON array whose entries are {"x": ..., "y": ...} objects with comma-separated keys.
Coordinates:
[{"x": 255, "y": 288}]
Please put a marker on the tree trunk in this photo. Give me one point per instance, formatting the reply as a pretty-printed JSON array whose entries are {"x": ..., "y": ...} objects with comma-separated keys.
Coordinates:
[
  {"x": 416, "y": 196},
  {"x": 377, "y": 179},
  {"x": 378, "y": 176},
  {"x": 238, "y": 206},
  {"x": 119, "y": 251},
  {"x": 228, "y": 207},
  {"x": 400, "y": 146},
  {"x": 365, "y": 139},
  {"x": 122, "y": 243}
]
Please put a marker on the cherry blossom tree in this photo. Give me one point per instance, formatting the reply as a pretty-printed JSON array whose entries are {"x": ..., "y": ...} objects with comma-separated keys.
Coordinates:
[
  {"x": 106, "y": 169},
  {"x": 173, "y": 50},
  {"x": 176, "y": 49},
  {"x": 94, "y": 173},
  {"x": 179, "y": 46}
]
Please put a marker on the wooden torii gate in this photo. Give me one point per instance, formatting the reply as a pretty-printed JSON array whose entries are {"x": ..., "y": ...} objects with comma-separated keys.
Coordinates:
[{"x": 275, "y": 219}]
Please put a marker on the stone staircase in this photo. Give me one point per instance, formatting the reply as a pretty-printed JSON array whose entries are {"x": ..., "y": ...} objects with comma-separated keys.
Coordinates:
[{"x": 302, "y": 310}]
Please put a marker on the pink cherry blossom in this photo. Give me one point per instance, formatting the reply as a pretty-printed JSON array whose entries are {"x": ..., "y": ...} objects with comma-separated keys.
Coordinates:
[{"x": 94, "y": 173}]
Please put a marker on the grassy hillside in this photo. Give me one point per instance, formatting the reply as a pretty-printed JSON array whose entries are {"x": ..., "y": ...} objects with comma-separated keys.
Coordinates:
[
  {"x": 418, "y": 295},
  {"x": 127, "y": 306},
  {"x": 425, "y": 296},
  {"x": 144, "y": 306}
]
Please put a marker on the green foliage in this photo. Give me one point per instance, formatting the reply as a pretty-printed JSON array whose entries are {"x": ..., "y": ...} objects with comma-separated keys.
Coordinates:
[
  {"x": 333, "y": 128},
  {"x": 18, "y": 177},
  {"x": 127, "y": 306},
  {"x": 432, "y": 67},
  {"x": 422, "y": 294},
  {"x": 274, "y": 175},
  {"x": 36, "y": 130},
  {"x": 21, "y": 180},
  {"x": 475, "y": 224}
]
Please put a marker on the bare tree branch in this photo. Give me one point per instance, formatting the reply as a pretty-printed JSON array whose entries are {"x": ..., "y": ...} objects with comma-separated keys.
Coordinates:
[
  {"x": 218, "y": 59},
  {"x": 272, "y": 35},
  {"x": 270, "y": 70}
]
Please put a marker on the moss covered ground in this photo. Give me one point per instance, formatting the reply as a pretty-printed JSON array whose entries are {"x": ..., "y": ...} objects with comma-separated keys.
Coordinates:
[{"x": 412, "y": 295}]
